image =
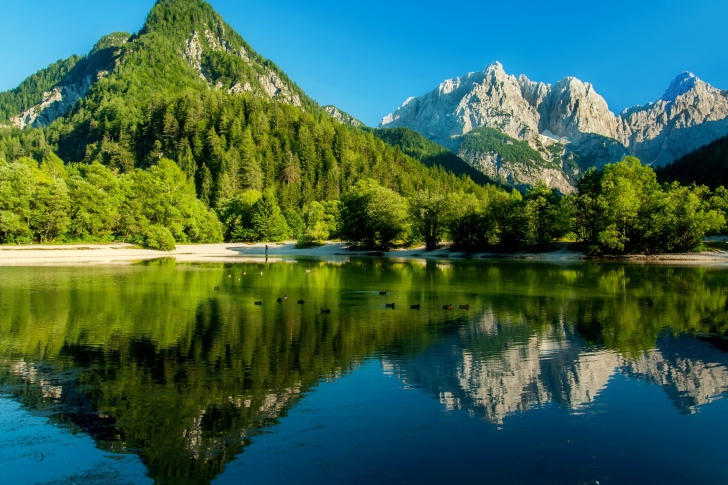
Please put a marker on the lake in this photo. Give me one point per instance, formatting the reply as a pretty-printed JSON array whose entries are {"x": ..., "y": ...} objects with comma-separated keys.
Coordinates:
[{"x": 555, "y": 373}]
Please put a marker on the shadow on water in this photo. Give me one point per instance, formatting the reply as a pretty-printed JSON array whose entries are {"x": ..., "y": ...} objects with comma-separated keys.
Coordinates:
[{"x": 156, "y": 361}]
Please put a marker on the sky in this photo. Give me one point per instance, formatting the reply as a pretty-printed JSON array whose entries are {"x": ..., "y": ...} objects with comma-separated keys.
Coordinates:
[{"x": 368, "y": 57}]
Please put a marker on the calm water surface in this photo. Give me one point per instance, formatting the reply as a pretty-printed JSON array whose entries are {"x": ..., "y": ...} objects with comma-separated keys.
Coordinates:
[{"x": 578, "y": 373}]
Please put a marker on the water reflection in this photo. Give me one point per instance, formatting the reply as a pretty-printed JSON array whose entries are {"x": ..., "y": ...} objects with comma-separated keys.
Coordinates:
[
  {"x": 153, "y": 360},
  {"x": 555, "y": 367}
]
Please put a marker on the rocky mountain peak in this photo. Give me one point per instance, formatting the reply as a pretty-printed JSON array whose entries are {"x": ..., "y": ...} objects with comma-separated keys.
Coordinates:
[
  {"x": 569, "y": 124},
  {"x": 574, "y": 108},
  {"x": 683, "y": 83}
]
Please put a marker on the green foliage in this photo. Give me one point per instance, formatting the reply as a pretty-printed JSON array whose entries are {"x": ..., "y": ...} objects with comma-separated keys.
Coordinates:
[
  {"x": 429, "y": 153},
  {"x": 95, "y": 199},
  {"x": 52, "y": 202},
  {"x": 163, "y": 196},
  {"x": 707, "y": 165},
  {"x": 316, "y": 228},
  {"x": 469, "y": 226},
  {"x": 30, "y": 92},
  {"x": 428, "y": 212},
  {"x": 490, "y": 140},
  {"x": 35, "y": 201},
  {"x": 511, "y": 219},
  {"x": 372, "y": 215},
  {"x": 267, "y": 221},
  {"x": 295, "y": 223},
  {"x": 158, "y": 237},
  {"x": 624, "y": 210},
  {"x": 546, "y": 218},
  {"x": 236, "y": 216},
  {"x": 152, "y": 106},
  {"x": 152, "y": 147}
]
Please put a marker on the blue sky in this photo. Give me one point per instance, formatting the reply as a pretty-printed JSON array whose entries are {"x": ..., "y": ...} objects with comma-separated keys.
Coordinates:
[{"x": 368, "y": 57}]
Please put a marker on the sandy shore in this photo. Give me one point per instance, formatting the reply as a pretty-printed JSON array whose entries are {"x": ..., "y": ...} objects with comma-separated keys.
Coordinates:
[{"x": 113, "y": 254}]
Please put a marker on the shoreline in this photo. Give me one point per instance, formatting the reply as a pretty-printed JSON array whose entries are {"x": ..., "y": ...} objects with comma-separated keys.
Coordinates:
[{"x": 125, "y": 254}]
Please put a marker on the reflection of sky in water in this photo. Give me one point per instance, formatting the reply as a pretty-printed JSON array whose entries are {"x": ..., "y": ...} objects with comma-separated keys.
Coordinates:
[
  {"x": 32, "y": 451},
  {"x": 369, "y": 427}
]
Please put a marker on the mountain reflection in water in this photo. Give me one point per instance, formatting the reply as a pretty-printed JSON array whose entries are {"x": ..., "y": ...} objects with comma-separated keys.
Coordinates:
[{"x": 152, "y": 360}]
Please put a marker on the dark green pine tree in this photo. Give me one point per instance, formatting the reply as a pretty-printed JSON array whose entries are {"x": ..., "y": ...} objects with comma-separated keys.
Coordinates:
[{"x": 268, "y": 221}]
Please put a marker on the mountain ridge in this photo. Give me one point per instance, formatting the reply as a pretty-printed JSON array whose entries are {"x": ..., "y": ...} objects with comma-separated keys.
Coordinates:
[{"x": 569, "y": 113}]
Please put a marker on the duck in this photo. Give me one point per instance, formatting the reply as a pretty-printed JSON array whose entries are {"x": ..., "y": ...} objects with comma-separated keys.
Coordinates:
[
  {"x": 389, "y": 305},
  {"x": 308, "y": 271},
  {"x": 447, "y": 307},
  {"x": 383, "y": 293},
  {"x": 230, "y": 276},
  {"x": 464, "y": 307},
  {"x": 261, "y": 273},
  {"x": 325, "y": 310},
  {"x": 415, "y": 307},
  {"x": 300, "y": 302},
  {"x": 649, "y": 303},
  {"x": 280, "y": 300},
  {"x": 217, "y": 288},
  {"x": 238, "y": 279},
  {"x": 285, "y": 297},
  {"x": 258, "y": 303}
]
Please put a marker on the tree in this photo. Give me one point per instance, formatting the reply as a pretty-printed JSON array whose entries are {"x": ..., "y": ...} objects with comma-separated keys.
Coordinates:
[
  {"x": 545, "y": 216},
  {"x": 372, "y": 215},
  {"x": 236, "y": 216},
  {"x": 267, "y": 221},
  {"x": 163, "y": 196},
  {"x": 427, "y": 214},
  {"x": 95, "y": 200},
  {"x": 467, "y": 224},
  {"x": 315, "y": 226}
]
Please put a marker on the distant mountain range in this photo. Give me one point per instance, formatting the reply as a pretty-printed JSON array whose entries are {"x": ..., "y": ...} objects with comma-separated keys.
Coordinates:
[{"x": 518, "y": 131}]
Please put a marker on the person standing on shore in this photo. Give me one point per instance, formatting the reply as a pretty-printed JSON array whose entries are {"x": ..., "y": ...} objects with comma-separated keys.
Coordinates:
[{"x": 266, "y": 251}]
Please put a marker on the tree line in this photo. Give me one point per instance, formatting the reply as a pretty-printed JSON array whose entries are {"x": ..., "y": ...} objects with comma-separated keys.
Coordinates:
[{"x": 621, "y": 209}]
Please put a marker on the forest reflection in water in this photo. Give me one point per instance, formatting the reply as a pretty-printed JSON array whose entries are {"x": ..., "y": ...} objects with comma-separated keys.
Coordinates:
[{"x": 153, "y": 360}]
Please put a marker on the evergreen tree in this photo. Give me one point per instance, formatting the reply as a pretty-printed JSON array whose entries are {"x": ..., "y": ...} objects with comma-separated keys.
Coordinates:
[{"x": 267, "y": 221}]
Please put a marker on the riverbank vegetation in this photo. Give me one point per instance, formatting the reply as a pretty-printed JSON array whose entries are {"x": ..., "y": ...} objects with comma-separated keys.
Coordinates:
[{"x": 621, "y": 209}]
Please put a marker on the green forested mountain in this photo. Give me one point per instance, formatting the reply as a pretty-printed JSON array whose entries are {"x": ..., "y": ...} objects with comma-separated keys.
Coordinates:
[
  {"x": 188, "y": 88},
  {"x": 76, "y": 72},
  {"x": 430, "y": 153},
  {"x": 705, "y": 166}
]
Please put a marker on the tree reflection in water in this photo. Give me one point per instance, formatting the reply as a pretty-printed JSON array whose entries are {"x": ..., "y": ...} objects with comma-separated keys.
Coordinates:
[{"x": 152, "y": 360}]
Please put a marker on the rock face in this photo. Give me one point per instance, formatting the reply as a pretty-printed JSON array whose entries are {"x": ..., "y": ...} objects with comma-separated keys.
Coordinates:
[
  {"x": 520, "y": 174},
  {"x": 265, "y": 82},
  {"x": 55, "y": 104},
  {"x": 689, "y": 115},
  {"x": 68, "y": 90},
  {"x": 568, "y": 123},
  {"x": 342, "y": 116}
]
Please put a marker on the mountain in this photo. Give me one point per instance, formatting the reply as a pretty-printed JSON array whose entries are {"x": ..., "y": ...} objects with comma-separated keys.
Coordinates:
[
  {"x": 188, "y": 88},
  {"x": 429, "y": 153},
  {"x": 52, "y": 92},
  {"x": 343, "y": 116},
  {"x": 568, "y": 125},
  {"x": 707, "y": 165},
  {"x": 183, "y": 44}
]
